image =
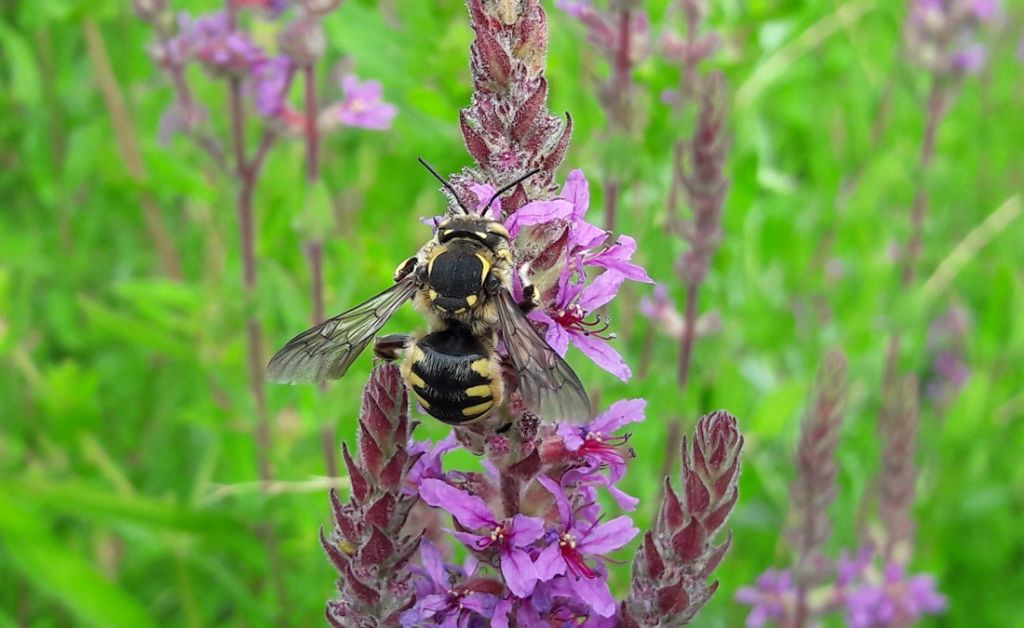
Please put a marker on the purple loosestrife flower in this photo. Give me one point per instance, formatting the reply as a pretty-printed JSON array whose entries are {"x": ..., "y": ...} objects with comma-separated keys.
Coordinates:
[
  {"x": 771, "y": 599},
  {"x": 574, "y": 542},
  {"x": 594, "y": 448},
  {"x": 508, "y": 536},
  {"x": 605, "y": 32},
  {"x": 428, "y": 461},
  {"x": 897, "y": 601},
  {"x": 362, "y": 105},
  {"x": 557, "y": 231},
  {"x": 222, "y": 49},
  {"x": 271, "y": 79},
  {"x": 941, "y": 35},
  {"x": 897, "y": 481},
  {"x": 448, "y": 595}
]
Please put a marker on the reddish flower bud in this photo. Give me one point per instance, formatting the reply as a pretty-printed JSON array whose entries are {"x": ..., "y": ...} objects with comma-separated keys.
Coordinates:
[
  {"x": 670, "y": 573},
  {"x": 367, "y": 546}
]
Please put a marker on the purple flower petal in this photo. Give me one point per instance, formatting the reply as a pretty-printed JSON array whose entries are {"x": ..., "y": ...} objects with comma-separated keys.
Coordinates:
[
  {"x": 475, "y": 541},
  {"x": 433, "y": 562},
  {"x": 362, "y": 105},
  {"x": 434, "y": 603},
  {"x": 625, "y": 501},
  {"x": 572, "y": 436},
  {"x": 500, "y": 617},
  {"x": 618, "y": 414},
  {"x": 617, "y": 256},
  {"x": 481, "y": 603},
  {"x": 564, "y": 510},
  {"x": 517, "y": 568},
  {"x": 603, "y": 355},
  {"x": 595, "y": 592},
  {"x": 550, "y": 562},
  {"x": 526, "y": 530},
  {"x": 588, "y": 236},
  {"x": 601, "y": 291},
  {"x": 608, "y": 536},
  {"x": 577, "y": 191},
  {"x": 469, "y": 510},
  {"x": 557, "y": 337},
  {"x": 538, "y": 212}
]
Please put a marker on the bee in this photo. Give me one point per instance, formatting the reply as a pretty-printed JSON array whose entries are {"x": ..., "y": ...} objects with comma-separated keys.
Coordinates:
[{"x": 461, "y": 279}]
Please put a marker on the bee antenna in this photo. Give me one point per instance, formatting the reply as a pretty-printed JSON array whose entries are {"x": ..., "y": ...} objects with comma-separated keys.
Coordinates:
[
  {"x": 509, "y": 187},
  {"x": 444, "y": 182}
]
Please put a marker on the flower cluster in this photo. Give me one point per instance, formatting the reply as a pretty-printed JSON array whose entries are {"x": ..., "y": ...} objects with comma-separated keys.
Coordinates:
[
  {"x": 557, "y": 246},
  {"x": 544, "y": 563},
  {"x": 220, "y": 44},
  {"x": 941, "y": 35},
  {"x": 868, "y": 593}
]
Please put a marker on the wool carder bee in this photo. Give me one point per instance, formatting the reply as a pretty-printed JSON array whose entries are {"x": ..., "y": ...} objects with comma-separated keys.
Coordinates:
[{"x": 461, "y": 280}]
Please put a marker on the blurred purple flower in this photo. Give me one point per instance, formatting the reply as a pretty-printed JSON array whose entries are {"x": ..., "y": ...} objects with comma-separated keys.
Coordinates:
[
  {"x": 985, "y": 10},
  {"x": 509, "y": 537},
  {"x": 362, "y": 105},
  {"x": 769, "y": 598},
  {"x": 576, "y": 541},
  {"x": 851, "y": 567},
  {"x": 271, "y": 78},
  {"x": 897, "y": 601},
  {"x": 970, "y": 60},
  {"x": 211, "y": 40}
]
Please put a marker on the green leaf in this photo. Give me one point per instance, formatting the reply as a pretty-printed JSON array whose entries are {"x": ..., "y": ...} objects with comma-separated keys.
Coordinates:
[
  {"x": 59, "y": 572},
  {"x": 25, "y": 84}
]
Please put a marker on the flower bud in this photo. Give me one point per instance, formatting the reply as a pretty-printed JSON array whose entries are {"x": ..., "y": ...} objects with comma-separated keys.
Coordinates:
[{"x": 303, "y": 41}]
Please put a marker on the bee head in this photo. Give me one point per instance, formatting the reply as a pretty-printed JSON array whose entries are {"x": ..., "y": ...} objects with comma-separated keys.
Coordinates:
[{"x": 490, "y": 233}]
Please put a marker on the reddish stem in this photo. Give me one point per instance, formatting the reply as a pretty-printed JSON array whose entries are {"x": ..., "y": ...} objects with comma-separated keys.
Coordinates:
[
  {"x": 312, "y": 136},
  {"x": 689, "y": 334}
]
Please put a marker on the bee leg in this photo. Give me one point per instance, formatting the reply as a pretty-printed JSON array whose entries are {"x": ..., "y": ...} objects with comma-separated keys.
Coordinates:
[
  {"x": 391, "y": 347},
  {"x": 405, "y": 268},
  {"x": 530, "y": 300}
]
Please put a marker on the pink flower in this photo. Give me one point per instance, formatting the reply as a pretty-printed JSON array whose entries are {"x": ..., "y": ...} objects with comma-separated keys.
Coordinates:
[
  {"x": 898, "y": 600},
  {"x": 271, "y": 78},
  {"x": 447, "y": 595},
  {"x": 509, "y": 536},
  {"x": 769, "y": 598},
  {"x": 574, "y": 543},
  {"x": 569, "y": 302},
  {"x": 600, "y": 449},
  {"x": 363, "y": 106},
  {"x": 428, "y": 464}
]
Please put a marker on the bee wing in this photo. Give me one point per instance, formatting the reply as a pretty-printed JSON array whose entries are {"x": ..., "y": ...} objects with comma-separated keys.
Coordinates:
[
  {"x": 327, "y": 350},
  {"x": 548, "y": 384}
]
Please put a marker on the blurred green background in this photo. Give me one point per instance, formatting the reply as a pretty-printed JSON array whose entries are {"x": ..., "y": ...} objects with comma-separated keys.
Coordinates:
[{"x": 128, "y": 492}]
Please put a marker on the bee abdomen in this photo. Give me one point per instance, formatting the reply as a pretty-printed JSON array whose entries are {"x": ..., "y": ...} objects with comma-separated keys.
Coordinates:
[{"x": 451, "y": 376}]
